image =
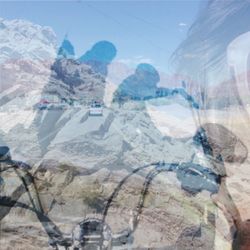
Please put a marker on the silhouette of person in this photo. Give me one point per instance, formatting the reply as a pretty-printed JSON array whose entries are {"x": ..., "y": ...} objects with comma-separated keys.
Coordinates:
[
  {"x": 99, "y": 57},
  {"x": 219, "y": 145},
  {"x": 140, "y": 88},
  {"x": 142, "y": 84},
  {"x": 81, "y": 80}
]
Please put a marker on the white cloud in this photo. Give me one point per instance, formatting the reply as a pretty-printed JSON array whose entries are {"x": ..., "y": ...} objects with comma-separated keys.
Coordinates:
[
  {"x": 181, "y": 24},
  {"x": 132, "y": 62}
]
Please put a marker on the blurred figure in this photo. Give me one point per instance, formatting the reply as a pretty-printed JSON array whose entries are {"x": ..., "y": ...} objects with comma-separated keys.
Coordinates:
[
  {"x": 139, "y": 86},
  {"x": 72, "y": 83},
  {"x": 99, "y": 57},
  {"x": 215, "y": 55}
]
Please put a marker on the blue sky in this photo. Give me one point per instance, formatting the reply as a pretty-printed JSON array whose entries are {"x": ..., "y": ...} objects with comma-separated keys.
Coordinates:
[{"x": 141, "y": 30}]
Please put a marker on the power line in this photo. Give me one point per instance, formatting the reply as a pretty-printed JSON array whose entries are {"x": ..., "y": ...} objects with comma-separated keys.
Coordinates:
[{"x": 139, "y": 35}]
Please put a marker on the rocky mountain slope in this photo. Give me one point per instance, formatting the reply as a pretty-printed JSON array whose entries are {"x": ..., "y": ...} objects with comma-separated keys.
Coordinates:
[{"x": 78, "y": 160}]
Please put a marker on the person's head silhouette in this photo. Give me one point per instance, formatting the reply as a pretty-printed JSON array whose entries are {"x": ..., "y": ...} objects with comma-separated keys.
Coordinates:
[
  {"x": 139, "y": 86},
  {"x": 147, "y": 75},
  {"x": 99, "y": 56}
]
